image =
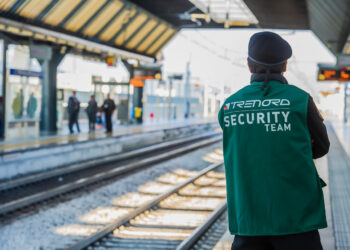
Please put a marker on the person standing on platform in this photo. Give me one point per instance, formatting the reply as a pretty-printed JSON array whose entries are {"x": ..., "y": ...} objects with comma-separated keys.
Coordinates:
[
  {"x": 272, "y": 131},
  {"x": 108, "y": 108},
  {"x": 91, "y": 111},
  {"x": 73, "y": 112}
]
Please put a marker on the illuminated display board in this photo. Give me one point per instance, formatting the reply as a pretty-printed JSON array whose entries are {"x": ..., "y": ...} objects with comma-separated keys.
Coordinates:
[{"x": 333, "y": 74}]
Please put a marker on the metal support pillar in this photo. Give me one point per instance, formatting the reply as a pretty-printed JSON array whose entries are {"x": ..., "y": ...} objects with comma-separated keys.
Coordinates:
[
  {"x": 3, "y": 82},
  {"x": 130, "y": 69},
  {"x": 187, "y": 91},
  {"x": 49, "y": 65},
  {"x": 169, "y": 97},
  {"x": 137, "y": 102},
  {"x": 346, "y": 101},
  {"x": 138, "y": 95}
]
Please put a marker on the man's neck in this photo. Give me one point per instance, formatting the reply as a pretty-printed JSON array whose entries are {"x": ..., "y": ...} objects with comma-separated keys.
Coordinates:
[{"x": 260, "y": 77}]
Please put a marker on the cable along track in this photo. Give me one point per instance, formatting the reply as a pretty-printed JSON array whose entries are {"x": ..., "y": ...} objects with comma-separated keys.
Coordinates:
[{"x": 172, "y": 213}]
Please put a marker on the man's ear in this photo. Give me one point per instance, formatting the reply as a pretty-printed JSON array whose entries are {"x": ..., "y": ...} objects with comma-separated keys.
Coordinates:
[{"x": 284, "y": 67}]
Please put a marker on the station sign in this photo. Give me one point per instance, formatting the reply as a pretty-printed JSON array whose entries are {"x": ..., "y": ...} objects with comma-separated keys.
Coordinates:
[
  {"x": 97, "y": 80},
  {"x": 333, "y": 73},
  {"x": 139, "y": 81},
  {"x": 40, "y": 52},
  {"x": 26, "y": 73}
]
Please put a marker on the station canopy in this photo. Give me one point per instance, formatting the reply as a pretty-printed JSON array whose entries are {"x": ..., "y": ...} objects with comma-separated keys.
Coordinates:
[
  {"x": 328, "y": 19},
  {"x": 115, "y": 27},
  {"x": 141, "y": 28}
]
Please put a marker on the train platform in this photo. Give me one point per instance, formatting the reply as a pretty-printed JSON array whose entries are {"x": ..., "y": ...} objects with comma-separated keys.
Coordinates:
[
  {"x": 335, "y": 170},
  {"x": 20, "y": 158},
  {"x": 63, "y": 136}
]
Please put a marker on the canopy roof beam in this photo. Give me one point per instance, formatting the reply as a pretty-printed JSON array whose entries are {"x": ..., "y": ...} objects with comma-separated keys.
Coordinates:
[{"x": 75, "y": 40}]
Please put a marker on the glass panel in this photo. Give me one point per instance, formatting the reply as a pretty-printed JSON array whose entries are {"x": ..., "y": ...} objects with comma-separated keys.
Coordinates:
[{"x": 23, "y": 94}]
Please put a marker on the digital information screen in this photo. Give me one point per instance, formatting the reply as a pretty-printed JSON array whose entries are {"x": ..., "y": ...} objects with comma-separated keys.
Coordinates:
[{"x": 333, "y": 74}]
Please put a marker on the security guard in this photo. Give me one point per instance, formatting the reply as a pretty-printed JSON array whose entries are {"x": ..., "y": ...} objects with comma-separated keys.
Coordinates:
[{"x": 271, "y": 133}]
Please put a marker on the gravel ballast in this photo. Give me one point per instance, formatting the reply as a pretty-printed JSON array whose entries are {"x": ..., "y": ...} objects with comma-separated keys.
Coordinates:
[{"x": 37, "y": 231}]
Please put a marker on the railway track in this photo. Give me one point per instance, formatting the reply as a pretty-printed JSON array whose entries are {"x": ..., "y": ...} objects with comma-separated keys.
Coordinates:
[
  {"x": 33, "y": 191},
  {"x": 177, "y": 218}
]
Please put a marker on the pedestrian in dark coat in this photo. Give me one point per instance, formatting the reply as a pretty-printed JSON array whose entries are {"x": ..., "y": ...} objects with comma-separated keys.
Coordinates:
[
  {"x": 108, "y": 108},
  {"x": 91, "y": 111},
  {"x": 73, "y": 112}
]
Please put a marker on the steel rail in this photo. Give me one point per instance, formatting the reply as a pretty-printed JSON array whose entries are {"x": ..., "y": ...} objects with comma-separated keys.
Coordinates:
[
  {"x": 98, "y": 161},
  {"x": 110, "y": 227},
  {"x": 198, "y": 233},
  {"x": 25, "y": 201}
]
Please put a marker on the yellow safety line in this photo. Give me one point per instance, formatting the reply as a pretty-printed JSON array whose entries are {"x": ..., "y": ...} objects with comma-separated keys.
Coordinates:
[
  {"x": 68, "y": 138},
  {"x": 71, "y": 138}
]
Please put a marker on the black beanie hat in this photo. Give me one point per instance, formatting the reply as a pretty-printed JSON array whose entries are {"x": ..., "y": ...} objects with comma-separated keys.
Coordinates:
[{"x": 268, "y": 49}]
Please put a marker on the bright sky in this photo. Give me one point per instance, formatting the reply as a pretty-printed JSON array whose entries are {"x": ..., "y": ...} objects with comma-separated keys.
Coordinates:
[{"x": 218, "y": 57}]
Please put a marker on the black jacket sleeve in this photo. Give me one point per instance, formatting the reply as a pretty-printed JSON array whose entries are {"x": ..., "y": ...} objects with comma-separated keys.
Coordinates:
[
  {"x": 70, "y": 107},
  {"x": 319, "y": 137}
]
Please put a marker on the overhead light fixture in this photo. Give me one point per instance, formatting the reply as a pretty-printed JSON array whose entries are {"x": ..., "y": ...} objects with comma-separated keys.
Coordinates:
[
  {"x": 39, "y": 36},
  {"x": 71, "y": 44},
  {"x": 228, "y": 12},
  {"x": 60, "y": 41},
  {"x": 13, "y": 29},
  {"x": 196, "y": 16},
  {"x": 26, "y": 33},
  {"x": 51, "y": 39},
  {"x": 80, "y": 46}
]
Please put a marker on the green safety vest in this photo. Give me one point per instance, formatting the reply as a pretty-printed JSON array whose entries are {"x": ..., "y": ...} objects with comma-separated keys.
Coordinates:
[{"x": 273, "y": 187}]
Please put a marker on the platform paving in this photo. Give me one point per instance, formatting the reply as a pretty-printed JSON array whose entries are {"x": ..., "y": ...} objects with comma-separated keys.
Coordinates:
[
  {"x": 63, "y": 136},
  {"x": 339, "y": 177}
]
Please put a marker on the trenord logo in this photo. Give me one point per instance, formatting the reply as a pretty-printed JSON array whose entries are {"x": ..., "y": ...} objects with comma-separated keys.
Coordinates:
[{"x": 257, "y": 104}]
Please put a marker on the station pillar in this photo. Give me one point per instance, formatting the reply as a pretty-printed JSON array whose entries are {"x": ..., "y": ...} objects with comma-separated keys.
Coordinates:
[
  {"x": 346, "y": 101},
  {"x": 137, "y": 104},
  {"x": 49, "y": 64},
  {"x": 138, "y": 75},
  {"x": 188, "y": 91},
  {"x": 137, "y": 97},
  {"x": 3, "y": 83}
]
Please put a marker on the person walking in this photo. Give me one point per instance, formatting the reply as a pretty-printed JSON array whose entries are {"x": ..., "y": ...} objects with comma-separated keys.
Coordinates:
[
  {"x": 108, "y": 108},
  {"x": 91, "y": 111},
  {"x": 272, "y": 131},
  {"x": 73, "y": 112}
]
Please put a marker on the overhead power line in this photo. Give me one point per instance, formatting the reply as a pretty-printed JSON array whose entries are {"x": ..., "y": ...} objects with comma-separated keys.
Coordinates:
[{"x": 214, "y": 51}]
